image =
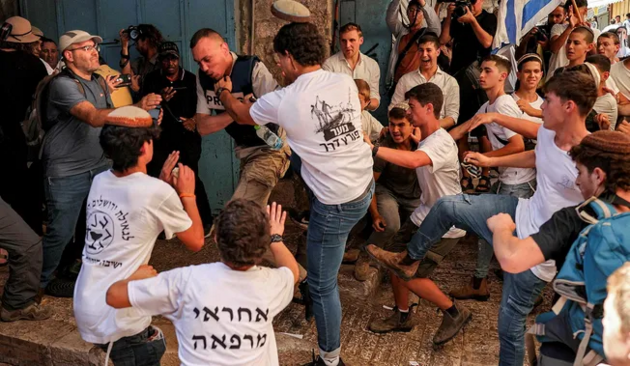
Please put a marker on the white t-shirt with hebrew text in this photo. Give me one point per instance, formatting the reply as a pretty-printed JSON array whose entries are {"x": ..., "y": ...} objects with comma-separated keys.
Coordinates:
[
  {"x": 321, "y": 114},
  {"x": 222, "y": 317},
  {"x": 124, "y": 218}
]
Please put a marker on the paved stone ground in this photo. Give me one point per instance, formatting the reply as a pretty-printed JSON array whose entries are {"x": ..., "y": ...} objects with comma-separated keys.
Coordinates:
[{"x": 56, "y": 341}]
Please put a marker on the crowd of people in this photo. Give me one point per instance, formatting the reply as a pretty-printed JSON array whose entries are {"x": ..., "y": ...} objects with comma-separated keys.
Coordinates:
[{"x": 102, "y": 163}]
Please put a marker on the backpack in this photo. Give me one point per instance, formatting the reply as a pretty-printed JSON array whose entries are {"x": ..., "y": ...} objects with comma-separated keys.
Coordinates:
[
  {"x": 601, "y": 248},
  {"x": 36, "y": 123}
]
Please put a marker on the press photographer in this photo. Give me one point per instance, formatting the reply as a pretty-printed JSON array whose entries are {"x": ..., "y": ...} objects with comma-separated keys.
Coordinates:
[{"x": 147, "y": 39}]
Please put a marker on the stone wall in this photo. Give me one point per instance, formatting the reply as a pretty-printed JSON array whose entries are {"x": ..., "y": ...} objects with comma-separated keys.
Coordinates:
[{"x": 266, "y": 26}]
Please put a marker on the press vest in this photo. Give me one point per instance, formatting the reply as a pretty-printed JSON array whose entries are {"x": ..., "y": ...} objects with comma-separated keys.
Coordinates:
[{"x": 243, "y": 135}]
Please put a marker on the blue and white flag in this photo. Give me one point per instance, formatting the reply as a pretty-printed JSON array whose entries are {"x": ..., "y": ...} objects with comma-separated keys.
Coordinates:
[{"x": 517, "y": 17}]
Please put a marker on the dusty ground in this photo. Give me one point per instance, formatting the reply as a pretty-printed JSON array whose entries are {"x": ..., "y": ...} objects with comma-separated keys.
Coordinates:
[{"x": 476, "y": 345}]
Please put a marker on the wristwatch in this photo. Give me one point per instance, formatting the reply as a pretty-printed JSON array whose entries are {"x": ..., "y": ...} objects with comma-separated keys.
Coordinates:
[
  {"x": 375, "y": 151},
  {"x": 221, "y": 90},
  {"x": 276, "y": 238}
]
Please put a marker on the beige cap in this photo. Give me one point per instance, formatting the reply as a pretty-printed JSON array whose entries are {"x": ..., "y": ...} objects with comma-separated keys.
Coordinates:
[
  {"x": 21, "y": 31},
  {"x": 38, "y": 32},
  {"x": 291, "y": 10},
  {"x": 76, "y": 36},
  {"x": 129, "y": 116}
]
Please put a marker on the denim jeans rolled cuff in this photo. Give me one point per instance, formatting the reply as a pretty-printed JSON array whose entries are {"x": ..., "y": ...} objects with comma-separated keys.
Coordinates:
[
  {"x": 463, "y": 211},
  {"x": 520, "y": 292},
  {"x": 485, "y": 253},
  {"x": 64, "y": 200},
  {"x": 145, "y": 348},
  {"x": 328, "y": 230}
]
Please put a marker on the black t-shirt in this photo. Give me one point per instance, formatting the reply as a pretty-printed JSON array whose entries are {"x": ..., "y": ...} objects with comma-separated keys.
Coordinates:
[
  {"x": 557, "y": 235},
  {"x": 20, "y": 72},
  {"x": 401, "y": 181},
  {"x": 466, "y": 46}
]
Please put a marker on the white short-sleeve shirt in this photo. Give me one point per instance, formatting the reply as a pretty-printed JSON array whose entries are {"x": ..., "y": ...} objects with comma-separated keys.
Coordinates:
[
  {"x": 222, "y": 317},
  {"x": 321, "y": 114},
  {"x": 366, "y": 69},
  {"x": 124, "y": 218}
]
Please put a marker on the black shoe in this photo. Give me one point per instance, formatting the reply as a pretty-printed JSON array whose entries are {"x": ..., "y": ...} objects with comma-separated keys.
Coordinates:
[
  {"x": 305, "y": 300},
  {"x": 60, "y": 288},
  {"x": 451, "y": 325},
  {"x": 320, "y": 362},
  {"x": 301, "y": 219}
]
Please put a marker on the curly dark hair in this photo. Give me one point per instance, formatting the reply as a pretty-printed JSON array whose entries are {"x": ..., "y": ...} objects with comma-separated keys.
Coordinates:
[
  {"x": 122, "y": 144},
  {"x": 150, "y": 33},
  {"x": 607, "y": 150},
  {"x": 427, "y": 93},
  {"x": 242, "y": 232},
  {"x": 575, "y": 84},
  {"x": 302, "y": 41}
]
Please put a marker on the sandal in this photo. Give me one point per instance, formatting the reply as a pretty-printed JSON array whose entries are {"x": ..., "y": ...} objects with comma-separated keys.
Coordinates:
[
  {"x": 467, "y": 185},
  {"x": 484, "y": 185},
  {"x": 4, "y": 257}
]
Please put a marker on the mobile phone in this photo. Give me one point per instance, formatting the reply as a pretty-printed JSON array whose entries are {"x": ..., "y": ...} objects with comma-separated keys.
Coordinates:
[
  {"x": 124, "y": 79},
  {"x": 155, "y": 113}
]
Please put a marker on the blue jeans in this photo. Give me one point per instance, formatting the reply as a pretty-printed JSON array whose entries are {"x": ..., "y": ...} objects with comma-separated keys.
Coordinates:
[
  {"x": 64, "y": 200},
  {"x": 485, "y": 253},
  {"x": 466, "y": 212},
  {"x": 143, "y": 349},
  {"x": 328, "y": 230},
  {"x": 520, "y": 292}
]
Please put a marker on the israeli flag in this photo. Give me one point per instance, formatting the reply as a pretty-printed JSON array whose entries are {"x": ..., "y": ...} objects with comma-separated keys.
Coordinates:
[{"x": 517, "y": 17}]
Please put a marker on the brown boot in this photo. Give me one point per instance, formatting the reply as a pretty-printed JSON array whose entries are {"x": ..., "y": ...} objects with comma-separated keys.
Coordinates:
[
  {"x": 351, "y": 256},
  {"x": 393, "y": 261},
  {"x": 477, "y": 289},
  {"x": 451, "y": 325},
  {"x": 397, "y": 322},
  {"x": 32, "y": 312},
  {"x": 362, "y": 269}
]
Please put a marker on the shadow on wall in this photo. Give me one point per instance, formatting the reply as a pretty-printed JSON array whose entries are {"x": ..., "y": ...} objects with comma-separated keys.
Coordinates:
[{"x": 8, "y": 8}]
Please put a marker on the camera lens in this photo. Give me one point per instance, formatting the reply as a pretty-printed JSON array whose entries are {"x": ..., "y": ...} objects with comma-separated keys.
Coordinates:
[{"x": 133, "y": 34}]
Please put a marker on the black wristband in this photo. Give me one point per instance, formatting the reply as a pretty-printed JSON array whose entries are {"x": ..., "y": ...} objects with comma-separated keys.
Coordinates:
[
  {"x": 375, "y": 150},
  {"x": 276, "y": 238},
  {"x": 221, "y": 90},
  {"x": 124, "y": 57}
]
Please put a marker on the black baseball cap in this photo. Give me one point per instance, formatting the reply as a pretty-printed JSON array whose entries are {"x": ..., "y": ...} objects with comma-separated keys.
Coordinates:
[{"x": 168, "y": 48}]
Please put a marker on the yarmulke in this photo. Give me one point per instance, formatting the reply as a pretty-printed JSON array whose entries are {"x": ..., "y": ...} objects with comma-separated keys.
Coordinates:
[
  {"x": 402, "y": 105},
  {"x": 129, "y": 116},
  {"x": 615, "y": 142},
  {"x": 291, "y": 11},
  {"x": 528, "y": 56},
  {"x": 594, "y": 73}
]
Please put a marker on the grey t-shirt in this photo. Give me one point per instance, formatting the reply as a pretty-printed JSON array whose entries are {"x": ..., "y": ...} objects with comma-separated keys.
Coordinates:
[
  {"x": 401, "y": 181},
  {"x": 71, "y": 146}
]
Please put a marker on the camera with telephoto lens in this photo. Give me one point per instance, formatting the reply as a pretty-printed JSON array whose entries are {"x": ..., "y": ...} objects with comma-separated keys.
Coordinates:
[{"x": 133, "y": 32}]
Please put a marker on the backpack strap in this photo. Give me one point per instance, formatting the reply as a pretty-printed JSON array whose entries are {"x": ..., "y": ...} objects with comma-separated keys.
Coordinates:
[
  {"x": 601, "y": 209},
  {"x": 405, "y": 50},
  {"x": 588, "y": 331}
]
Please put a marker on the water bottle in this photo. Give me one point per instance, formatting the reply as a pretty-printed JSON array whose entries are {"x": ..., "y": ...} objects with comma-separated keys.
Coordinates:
[{"x": 269, "y": 137}]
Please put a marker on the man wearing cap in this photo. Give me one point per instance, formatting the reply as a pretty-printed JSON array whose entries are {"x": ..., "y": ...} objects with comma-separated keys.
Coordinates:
[
  {"x": 78, "y": 104},
  {"x": 36, "y": 49},
  {"x": 147, "y": 43},
  {"x": 20, "y": 72},
  {"x": 126, "y": 211},
  {"x": 261, "y": 167},
  {"x": 178, "y": 87}
]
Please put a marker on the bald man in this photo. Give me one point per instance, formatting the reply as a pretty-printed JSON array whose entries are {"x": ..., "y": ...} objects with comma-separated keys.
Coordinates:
[{"x": 261, "y": 167}]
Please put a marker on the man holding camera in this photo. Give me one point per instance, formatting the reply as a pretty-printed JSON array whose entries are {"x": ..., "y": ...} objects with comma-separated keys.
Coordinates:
[
  {"x": 147, "y": 38},
  {"x": 78, "y": 104},
  {"x": 178, "y": 88}
]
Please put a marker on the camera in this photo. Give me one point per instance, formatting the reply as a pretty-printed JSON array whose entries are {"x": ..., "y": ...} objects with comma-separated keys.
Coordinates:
[
  {"x": 541, "y": 35},
  {"x": 124, "y": 80},
  {"x": 460, "y": 6},
  {"x": 134, "y": 32}
]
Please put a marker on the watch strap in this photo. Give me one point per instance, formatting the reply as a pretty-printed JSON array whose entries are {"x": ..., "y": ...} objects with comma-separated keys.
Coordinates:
[{"x": 276, "y": 238}]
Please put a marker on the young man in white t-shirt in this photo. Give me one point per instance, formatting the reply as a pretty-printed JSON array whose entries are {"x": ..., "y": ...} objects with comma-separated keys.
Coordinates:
[
  {"x": 560, "y": 35},
  {"x": 437, "y": 165},
  {"x": 517, "y": 182},
  {"x": 126, "y": 211},
  {"x": 530, "y": 72},
  {"x": 569, "y": 98},
  {"x": 223, "y": 311},
  {"x": 606, "y": 104},
  {"x": 578, "y": 46},
  {"x": 320, "y": 112}
]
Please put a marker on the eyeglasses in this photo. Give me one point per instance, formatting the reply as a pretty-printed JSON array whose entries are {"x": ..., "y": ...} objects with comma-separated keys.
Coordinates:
[{"x": 87, "y": 48}]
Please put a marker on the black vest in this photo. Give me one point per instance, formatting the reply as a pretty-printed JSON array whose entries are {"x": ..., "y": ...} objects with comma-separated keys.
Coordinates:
[{"x": 243, "y": 135}]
